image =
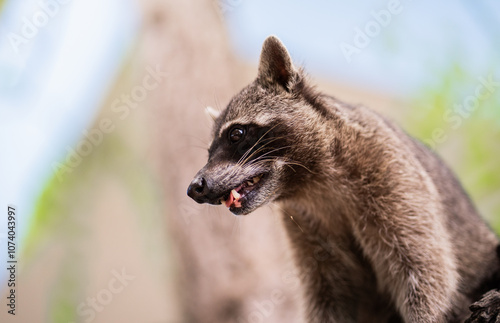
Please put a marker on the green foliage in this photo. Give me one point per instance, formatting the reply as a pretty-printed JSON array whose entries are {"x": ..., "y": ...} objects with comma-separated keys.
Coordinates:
[
  {"x": 54, "y": 218},
  {"x": 465, "y": 134},
  {"x": 62, "y": 214},
  {"x": 65, "y": 294}
]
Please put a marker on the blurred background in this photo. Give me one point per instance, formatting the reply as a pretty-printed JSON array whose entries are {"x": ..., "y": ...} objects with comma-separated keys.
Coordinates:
[{"x": 102, "y": 128}]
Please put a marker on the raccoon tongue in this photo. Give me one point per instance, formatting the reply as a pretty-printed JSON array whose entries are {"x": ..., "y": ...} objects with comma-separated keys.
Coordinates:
[
  {"x": 230, "y": 200},
  {"x": 233, "y": 199}
]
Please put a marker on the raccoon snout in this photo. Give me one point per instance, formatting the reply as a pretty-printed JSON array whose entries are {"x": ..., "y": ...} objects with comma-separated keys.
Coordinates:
[{"x": 198, "y": 190}]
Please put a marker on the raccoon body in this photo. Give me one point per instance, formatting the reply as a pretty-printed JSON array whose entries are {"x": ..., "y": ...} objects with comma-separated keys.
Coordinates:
[{"x": 381, "y": 229}]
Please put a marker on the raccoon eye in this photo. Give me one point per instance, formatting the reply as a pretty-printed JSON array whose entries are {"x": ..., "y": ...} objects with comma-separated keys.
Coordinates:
[{"x": 236, "y": 134}]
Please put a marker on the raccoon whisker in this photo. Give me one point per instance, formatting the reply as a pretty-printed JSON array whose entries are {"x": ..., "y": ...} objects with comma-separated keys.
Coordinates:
[
  {"x": 241, "y": 163},
  {"x": 199, "y": 147},
  {"x": 200, "y": 140},
  {"x": 236, "y": 230},
  {"x": 299, "y": 164},
  {"x": 290, "y": 166},
  {"x": 258, "y": 141},
  {"x": 263, "y": 159},
  {"x": 266, "y": 160},
  {"x": 250, "y": 167},
  {"x": 217, "y": 103},
  {"x": 289, "y": 215},
  {"x": 255, "y": 166},
  {"x": 270, "y": 152},
  {"x": 246, "y": 157},
  {"x": 287, "y": 162}
]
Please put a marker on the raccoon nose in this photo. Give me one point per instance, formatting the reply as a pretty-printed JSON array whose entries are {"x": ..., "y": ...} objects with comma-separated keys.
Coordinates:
[{"x": 198, "y": 190}]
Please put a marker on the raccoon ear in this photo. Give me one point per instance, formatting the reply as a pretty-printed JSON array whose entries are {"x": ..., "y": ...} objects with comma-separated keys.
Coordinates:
[
  {"x": 212, "y": 113},
  {"x": 276, "y": 65}
]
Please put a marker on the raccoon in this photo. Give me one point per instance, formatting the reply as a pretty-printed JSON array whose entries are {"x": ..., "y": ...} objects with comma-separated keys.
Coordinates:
[{"x": 381, "y": 229}]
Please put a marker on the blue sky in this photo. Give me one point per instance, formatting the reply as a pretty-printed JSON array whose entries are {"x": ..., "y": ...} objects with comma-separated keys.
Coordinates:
[
  {"x": 52, "y": 84},
  {"x": 421, "y": 40}
]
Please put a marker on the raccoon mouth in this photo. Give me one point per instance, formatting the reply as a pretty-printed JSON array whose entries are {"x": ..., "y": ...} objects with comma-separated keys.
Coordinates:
[{"x": 237, "y": 195}]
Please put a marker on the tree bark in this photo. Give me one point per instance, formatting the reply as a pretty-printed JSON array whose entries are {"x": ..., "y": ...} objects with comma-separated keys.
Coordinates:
[{"x": 230, "y": 269}]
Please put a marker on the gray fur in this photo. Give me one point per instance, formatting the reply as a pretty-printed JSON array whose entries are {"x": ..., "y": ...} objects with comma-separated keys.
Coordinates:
[{"x": 381, "y": 229}]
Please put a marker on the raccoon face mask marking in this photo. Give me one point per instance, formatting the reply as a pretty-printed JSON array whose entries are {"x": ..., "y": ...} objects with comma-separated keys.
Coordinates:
[
  {"x": 248, "y": 160},
  {"x": 243, "y": 169}
]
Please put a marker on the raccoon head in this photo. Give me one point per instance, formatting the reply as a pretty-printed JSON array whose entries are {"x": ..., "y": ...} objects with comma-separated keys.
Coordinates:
[{"x": 264, "y": 143}]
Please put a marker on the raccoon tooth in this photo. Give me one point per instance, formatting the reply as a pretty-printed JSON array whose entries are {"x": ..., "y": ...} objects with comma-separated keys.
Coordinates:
[
  {"x": 256, "y": 179},
  {"x": 249, "y": 183},
  {"x": 236, "y": 194}
]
